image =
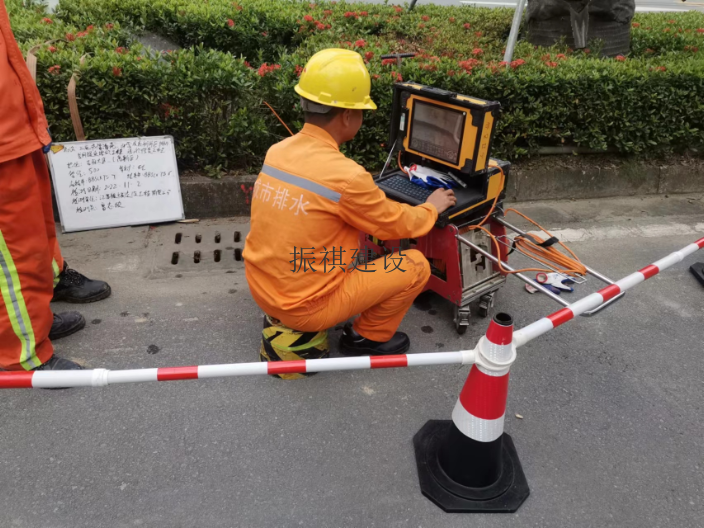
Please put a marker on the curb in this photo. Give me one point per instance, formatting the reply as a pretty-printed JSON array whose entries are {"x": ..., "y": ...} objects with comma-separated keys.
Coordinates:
[
  {"x": 547, "y": 178},
  {"x": 204, "y": 197},
  {"x": 602, "y": 180}
]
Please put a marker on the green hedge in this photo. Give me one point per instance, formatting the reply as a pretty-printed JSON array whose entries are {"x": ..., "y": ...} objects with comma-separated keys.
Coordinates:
[
  {"x": 259, "y": 30},
  {"x": 210, "y": 99},
  {"x": 203, "y": 99}
]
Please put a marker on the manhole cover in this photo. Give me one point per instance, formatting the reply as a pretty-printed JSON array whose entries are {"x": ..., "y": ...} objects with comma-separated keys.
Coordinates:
[{"x": 201, "y": 247}]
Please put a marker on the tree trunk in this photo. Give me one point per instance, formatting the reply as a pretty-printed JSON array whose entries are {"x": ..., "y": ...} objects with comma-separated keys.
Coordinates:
[{"x": 581, "y": 21}]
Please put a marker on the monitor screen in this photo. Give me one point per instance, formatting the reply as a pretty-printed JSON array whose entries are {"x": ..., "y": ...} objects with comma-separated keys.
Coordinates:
[{"x": 437, "y": 131}]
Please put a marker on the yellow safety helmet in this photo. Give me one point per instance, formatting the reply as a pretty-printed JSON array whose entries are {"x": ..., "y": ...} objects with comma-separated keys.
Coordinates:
[{"x": 337, "y": 77}]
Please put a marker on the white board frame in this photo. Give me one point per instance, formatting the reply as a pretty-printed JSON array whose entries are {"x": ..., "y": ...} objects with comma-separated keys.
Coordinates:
[{"x": 127, "y": 224}]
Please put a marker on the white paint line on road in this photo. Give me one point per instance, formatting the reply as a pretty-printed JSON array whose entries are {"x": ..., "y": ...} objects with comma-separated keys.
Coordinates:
[
  {"x": 130, "y": 263},
  {"x": 490, "y": 4},
  {"x": 639, "y": 9},
  {"x": 621, "y": 232}
]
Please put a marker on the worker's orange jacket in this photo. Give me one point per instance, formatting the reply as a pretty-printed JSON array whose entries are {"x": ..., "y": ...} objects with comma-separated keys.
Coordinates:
[
  {"x": 309, "y": 204},
  {"x": 23, "y": 126}
]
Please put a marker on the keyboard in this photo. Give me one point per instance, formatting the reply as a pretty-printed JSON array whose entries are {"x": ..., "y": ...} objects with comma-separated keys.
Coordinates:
[{"x": 401, "y": 187}]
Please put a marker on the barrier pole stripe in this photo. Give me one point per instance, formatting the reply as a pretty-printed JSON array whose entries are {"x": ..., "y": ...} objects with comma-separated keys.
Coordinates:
[
  {"x": 540, "y": 327},
  {"x": 132, "y": 376},
  {"x": 235, "y": 369},
  {"x": 389, "y": 361},
  {"x": 176, "y": 373},
  {"x": 560, "y": 317},
  {"x": 484, "y": 396},
  {"x": 434, "y": 358},
  {"x": 16, "y": 380},
  {"x": 649, "y": 271},
  {"x": 611, "y": 291},
  {"x": 297, "y": 366},
  {"x": 68, "y": 378},
  {"x": 343, "y": 363},
  {"x": 630, "y": 281}
]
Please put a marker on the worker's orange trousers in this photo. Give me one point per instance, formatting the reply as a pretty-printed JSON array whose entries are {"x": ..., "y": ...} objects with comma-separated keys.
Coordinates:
[
  {"x": 30, "y": 262},
  {"x": 381, "y": 298}
]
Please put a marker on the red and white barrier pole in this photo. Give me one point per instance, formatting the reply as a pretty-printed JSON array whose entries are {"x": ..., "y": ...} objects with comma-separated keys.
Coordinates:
[
  {"x": 544, "y": 325},
  {"x": 469, "y": 464},
  {"x": 101, "y": 377}
]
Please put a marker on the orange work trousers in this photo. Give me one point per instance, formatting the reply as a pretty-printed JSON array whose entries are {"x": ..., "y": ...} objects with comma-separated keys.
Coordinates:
[
  {"x": 381, "y": 298},
  {"x": 30, "y": 261}
]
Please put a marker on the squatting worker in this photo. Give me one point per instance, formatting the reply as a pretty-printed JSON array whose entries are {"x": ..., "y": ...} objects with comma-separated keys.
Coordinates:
[
  {"x": 32, "y": 270},
  {"x": 309, "y": 198}
]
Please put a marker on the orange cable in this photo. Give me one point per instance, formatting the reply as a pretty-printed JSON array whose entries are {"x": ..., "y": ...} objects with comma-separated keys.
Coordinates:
[
  {"x": 550, "y": 255},
  {"x": 277, "y": 117},
  {"x": 400, "y": 165}
]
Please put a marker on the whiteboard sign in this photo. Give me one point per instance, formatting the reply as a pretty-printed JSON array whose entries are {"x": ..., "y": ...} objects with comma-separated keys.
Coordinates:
[{"x": 116, "y": 182}]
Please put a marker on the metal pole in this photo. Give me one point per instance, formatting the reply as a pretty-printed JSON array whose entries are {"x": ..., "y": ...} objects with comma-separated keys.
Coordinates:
[
  {"x": 413, "y": 4},
  {"x": 513, "y": 36},
  {"x": 388, "y": 160}
]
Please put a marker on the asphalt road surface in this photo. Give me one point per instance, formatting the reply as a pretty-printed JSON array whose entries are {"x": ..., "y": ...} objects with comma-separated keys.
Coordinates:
[{"x": 611, "y": 433}]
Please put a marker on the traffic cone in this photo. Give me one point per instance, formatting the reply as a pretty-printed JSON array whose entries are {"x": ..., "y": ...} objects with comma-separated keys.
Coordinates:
[{"x": 468, "y": 464}]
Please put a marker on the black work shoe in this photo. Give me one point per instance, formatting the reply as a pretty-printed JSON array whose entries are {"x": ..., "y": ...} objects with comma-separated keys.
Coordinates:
[
  {"x": 74, "y": 287},
  {"x": 65, "y": 324},
  {"x": 353, "y": 344},
  {"x": 57, "y": 363}
]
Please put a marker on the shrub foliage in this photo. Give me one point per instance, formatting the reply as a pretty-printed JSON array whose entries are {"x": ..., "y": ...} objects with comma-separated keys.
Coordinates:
[{"x": 235, "y": 55}]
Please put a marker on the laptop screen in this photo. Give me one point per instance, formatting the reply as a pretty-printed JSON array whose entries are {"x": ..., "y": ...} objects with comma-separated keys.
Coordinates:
[{"x": 437, "y": 131}]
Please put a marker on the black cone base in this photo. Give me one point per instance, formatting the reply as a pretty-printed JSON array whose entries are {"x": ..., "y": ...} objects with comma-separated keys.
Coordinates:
[
  {"x": 504, "y": 496},
  {"x": 697, "y": 270}
]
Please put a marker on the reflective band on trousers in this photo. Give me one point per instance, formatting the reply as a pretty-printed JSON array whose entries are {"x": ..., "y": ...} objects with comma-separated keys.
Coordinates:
[
  {"x": 57, "y": 271},
  {"x": 16, "y": 308},
  {"x": 308, "y": 185}
]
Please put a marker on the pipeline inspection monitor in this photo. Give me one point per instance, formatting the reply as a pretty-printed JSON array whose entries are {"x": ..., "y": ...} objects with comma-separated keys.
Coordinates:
[{"x": 449, "y": 133}]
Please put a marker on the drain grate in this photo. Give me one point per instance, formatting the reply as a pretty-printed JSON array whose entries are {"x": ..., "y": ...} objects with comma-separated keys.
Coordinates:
[{"x": 201, "y": 248}]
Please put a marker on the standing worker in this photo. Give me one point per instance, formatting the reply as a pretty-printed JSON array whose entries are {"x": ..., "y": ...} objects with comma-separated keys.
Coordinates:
[
  {"x": 32, "y": 270},
  {"x": 310, "y": 203}
]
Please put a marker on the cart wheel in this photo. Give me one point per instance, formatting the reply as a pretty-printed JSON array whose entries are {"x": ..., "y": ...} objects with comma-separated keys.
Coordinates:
[
  {"x": 461, "y": 319},
  {"x": 485, "y": 303}
]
